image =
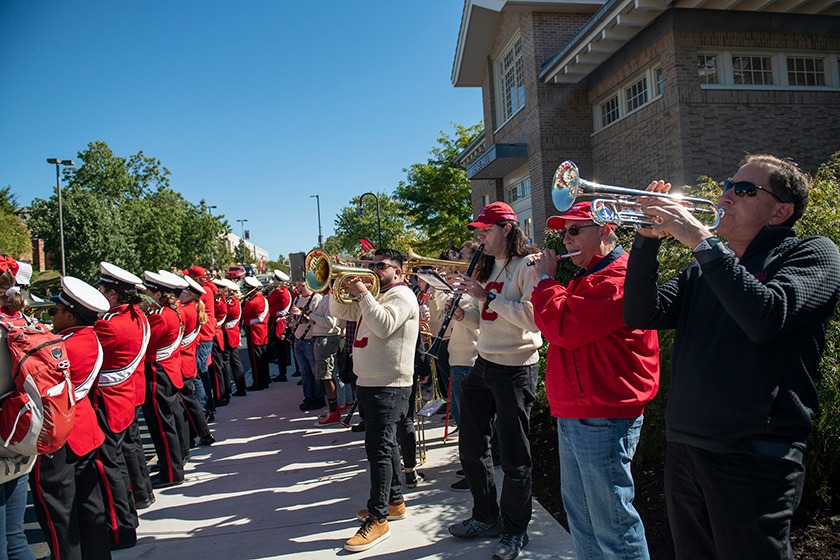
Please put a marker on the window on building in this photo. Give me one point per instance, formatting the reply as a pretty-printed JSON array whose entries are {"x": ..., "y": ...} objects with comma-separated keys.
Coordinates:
[
  {"x": 768, "y": 69},
  {"x": 519, "y": 191},
  {"x": 510, "y": 81},
  {"x": 527, "y": 229},
  {"x": 629, "y": 98},
  {"x": 485, "y": 200}
]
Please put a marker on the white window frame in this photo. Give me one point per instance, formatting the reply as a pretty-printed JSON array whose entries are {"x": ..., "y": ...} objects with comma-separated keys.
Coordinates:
[
  {"x": 518, "y": 191},
  {"x": 503, "y": 95},
  {"x": 778, "y": 59},
  {"x": 620, "y": 94}
]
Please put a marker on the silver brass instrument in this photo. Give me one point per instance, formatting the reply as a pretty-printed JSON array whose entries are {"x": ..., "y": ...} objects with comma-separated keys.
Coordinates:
[
  {"x": 320, "y": 271},
  {"x": 413, "y": 260},
  {"x": 620, "y": 205}
]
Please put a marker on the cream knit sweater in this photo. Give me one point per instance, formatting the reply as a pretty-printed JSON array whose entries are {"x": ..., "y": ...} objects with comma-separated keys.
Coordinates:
[
  {"x": 386, "y": 336},
  {"x": 301, "y": 304},
  {"x": 508, "y": 335},
  {"x": 326, "y": 324}
]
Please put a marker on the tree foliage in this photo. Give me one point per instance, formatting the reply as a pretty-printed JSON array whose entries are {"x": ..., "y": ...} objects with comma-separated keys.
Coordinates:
[
  {"x": 436, "y": 195},
  {"x": 125, "y": 212},
  {"x": 350, "y": 226},
  {"x": 14, "y": 235}
]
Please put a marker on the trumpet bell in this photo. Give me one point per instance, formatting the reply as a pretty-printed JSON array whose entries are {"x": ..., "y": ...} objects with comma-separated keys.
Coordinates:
[
  {"x": 413, "y": 260},
  {"x": 320, "y": 271},
  {"x": 566, "y": 186}
]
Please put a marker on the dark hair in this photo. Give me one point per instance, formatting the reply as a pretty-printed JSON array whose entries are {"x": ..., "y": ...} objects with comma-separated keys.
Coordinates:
[
  {"x": 787, "y": 181},
  {"x": 125, "y": 294},
  {"x": 391, "y": 255},
  {"x": 13, "y": 303},
  {"x": 449, "y": 255},
  {"x": 167, "y": 299},
  {"x": 517, "y": 246},
  {"x": 84, "y": 317}
]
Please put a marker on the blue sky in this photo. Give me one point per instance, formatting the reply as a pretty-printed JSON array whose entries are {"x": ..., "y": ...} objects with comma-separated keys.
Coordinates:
[{"x": 253, "y": 106}]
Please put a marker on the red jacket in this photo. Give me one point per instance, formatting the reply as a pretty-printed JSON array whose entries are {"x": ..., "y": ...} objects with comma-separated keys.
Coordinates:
[
  {"x": 164, "y": 343},
  {"x": 596, "y": 367},
  {"x": 189, "y": 341},
  {"x": 279, "y": 302},
  {"x": 219, "y": 315},
  {"x": 255, "y": 317},
  {"x": 231, "y": 326},
  {"x": 123, "y": 333},
  {"x": 208, "y": 330},
  {"x": 85, "y": 355}
]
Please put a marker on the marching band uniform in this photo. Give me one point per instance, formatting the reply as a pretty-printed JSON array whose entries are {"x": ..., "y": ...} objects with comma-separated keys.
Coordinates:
[
  {"x": 220, "y": 375},
  {"x": 197, "y": 423},
  {"x": 163, "y": 380},
  {"x": 65, "y": 485},
  {"x": 123, "y": 333},
  {"x": 279, "y": 303},
  {"x": 255, "y": 319},
  {"x": 230, "y": 355},
  {"x": 205, "y": 340}
]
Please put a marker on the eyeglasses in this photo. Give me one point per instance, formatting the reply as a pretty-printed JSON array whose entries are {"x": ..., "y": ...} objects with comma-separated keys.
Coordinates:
[
  {"x": 574, "y": 230},
  {"x": 380, "y": 266},
  {"x": 745, "y": 188},
  {"x": 53, "y": 310}
]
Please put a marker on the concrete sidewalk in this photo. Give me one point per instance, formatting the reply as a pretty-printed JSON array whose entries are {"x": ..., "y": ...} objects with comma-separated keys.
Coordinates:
[{"x": 277, "y": 486}]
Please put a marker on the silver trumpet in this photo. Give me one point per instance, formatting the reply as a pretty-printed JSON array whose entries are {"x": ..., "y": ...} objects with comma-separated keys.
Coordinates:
[{"x": 620, "y": 205}]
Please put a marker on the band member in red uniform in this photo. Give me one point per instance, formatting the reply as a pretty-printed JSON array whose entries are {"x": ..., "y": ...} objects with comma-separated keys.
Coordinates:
[
  {"x": 65, "y": 485},
  {"x": 163, "y": 380},
  {"x": 279, "y": 303},
  {"x": 255, "y": 319},
  {"x": 230, "y": 355},
  {"x": 205, "y": 391},
  {"x": 194, "y": 316},
  {"x": 220, "y": 376},
  {"x": 123, "y": 333}
]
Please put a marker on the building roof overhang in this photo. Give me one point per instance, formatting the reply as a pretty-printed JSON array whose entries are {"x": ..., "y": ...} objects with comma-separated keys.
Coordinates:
[
  {"x": 478, "y": 31},
  {"x": 498, "y": 161},
  {"x": 619, "y": 21}
]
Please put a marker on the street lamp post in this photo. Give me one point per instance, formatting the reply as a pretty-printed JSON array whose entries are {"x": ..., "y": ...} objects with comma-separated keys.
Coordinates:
[
  {"x": 378, "y": 221},
  {"x": 58, "y": 163},
  {"x": 320, "y": 237},
  {"x": 243, "y": 228}
]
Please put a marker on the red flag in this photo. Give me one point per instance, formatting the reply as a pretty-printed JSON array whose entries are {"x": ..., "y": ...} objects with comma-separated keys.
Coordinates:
[{"x": 366, "y": 245}]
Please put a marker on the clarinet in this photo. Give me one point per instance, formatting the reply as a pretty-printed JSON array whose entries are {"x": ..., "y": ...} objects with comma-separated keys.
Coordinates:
[
  {"x": 297, "y": 323},
  {"x": 434, "y": 349}
]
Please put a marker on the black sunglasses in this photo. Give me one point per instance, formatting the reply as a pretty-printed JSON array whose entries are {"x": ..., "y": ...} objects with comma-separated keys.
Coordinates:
[
  {"x": 380, "y": 266},
  {"x": 53, "y": 310},
  {"x": 574, "y": 230},
  {"x": 745, "y": 188}
]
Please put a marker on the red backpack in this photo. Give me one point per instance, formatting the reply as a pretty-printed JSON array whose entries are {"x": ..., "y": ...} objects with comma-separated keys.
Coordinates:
[{"x": 36, "y": 412}]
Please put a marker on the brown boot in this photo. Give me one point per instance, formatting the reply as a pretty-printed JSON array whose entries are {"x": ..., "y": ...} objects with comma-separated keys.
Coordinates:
[
  {"x": 371, "y": 533},
  {"x": 395, "y": 511}
]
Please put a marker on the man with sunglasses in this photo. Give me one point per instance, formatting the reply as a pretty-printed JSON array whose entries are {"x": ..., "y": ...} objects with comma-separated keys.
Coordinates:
[
  {"x": 383, "y": 360},
  {"x": 750, "y": 318},
  {"x": 599, "y": 376}
]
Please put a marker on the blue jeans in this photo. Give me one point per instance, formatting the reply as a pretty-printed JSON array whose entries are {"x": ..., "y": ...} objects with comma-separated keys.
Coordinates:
[
  {"x": 597, "y": 487},
  {"x": 12, "y": 506},
  {"x": 384, "y": 407},
  {"x": 202, "y": 354},
  {"x": 457, "y": 374},
  {"x": 313, "y": 389},
  {"x": 507, "y": 394}
]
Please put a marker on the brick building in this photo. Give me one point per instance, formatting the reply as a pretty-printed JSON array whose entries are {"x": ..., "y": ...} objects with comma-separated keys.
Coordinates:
[{"x": 635, "y": 90}]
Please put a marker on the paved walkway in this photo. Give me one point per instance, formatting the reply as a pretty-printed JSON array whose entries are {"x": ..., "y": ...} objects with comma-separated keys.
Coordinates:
[{"x": 277, "y": 486}]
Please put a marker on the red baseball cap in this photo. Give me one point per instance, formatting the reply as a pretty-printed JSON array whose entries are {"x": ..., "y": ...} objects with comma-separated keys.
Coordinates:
[
  {"x": 195, "y": 272},
  {"x": 492, "y": 213},
  {"x": 579, "y": 212}
]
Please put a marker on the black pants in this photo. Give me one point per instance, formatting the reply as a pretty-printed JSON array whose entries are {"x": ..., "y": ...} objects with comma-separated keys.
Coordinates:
[
  {"x": 233, "y": 366},
  {"x": 730, "y": 506},
  {"x": 160, "y": 409},
  {"x": 115, "y": 482},
  {"x": 68, "y": 504},
  {"x": 406, "y": 433},
  {"x": 384, "y": 408},
  {"x": 195, "y": 415},
  {"x": 135, "y": 461},
  {"x": 258, "y": 357},
  {"x": 219, "y": 374},
  {"x": 506, "y": 392}
]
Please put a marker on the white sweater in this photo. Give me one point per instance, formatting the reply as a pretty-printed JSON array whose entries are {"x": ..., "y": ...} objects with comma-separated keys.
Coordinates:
[
  {"x": 386, "y": 336},
  {"x": 463, "y": 344},
  {"x": 325, "y": 323},
  {"x": 301, "y": 304},
  {"x": 508, "y": 335}
]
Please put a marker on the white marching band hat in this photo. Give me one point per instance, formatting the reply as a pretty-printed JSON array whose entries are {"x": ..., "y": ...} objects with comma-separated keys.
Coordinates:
[
  {"x": 233, "y": 286},
  {"x": 116, "y": 276},
  {"x": 78, "y": 294},
  {"x": 193, "y": 286},
  {"x": 156, "y": 282},
  {"x": 253, "y": 282},
  {"x": 282, "y": 276},
  {"x": 24, "y": 274},
  {"x": 178, "y": 281}
]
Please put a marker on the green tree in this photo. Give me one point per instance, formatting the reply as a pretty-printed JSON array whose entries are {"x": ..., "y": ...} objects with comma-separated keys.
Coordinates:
[
  {"x": 397, "y": 233},
  {"x": 436, "y": 195},
  {"x": 14, "y": 235},
  {"x": 8, "y": 201},
  {"x": 282, "y": 263},
  {"x": 241, "y": 254}
]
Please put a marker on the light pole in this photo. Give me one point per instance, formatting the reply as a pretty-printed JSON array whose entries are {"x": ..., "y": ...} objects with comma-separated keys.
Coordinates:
[
  {"x": 243, "y": 229},
  {"x": 320, "y": 237},
  {"x": 58, "y": 163},
  {"x": 378, "y": 221}
]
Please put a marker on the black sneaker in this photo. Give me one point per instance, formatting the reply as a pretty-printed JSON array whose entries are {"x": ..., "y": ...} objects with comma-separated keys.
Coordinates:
[
  {"x": 305, "y": 404},
  {"x": 207, "y": 440},
  {"x": 460, "y": 486},
  {"x": 296, "y": 374},
  {"x": 143, "y": 504},
  {"x": 459, "y": 472},
  {"x": 360, "y": 427},
  {"x": 412, "y": 478}
]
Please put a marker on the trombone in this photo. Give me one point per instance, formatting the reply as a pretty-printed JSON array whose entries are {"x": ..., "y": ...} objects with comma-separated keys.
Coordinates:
[
  {"x": 619, "y": 205},
  {"x": 413, "y": 260}
]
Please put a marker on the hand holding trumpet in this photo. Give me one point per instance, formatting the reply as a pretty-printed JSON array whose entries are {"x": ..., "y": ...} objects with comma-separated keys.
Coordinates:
[{"x": 671, "y": 218}]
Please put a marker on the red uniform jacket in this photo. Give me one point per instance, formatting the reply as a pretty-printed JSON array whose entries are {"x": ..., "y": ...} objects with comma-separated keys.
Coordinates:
[
  {"x": 255, "y": 317},
  {"x": 208, "y": 330},
  {"x": 189, "y": 342},
  {"x": 123, "y": 333},
  {"x": 85, "y": 355},
  {"x": 279, "y": 302},
  {"x": 231, "y": 326},
  {"x": 220, "y": 314},
  {"x": 164, "y": 344}
]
